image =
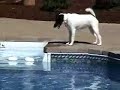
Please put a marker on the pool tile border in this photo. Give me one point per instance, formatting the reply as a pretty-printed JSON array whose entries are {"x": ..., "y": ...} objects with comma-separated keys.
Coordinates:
[
  {"x": 107, "y": 53},
  {"x": 89, "y": 51}
]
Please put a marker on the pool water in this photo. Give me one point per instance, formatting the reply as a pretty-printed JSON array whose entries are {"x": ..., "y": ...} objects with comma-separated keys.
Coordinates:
[{"x": 65, "y": 74}]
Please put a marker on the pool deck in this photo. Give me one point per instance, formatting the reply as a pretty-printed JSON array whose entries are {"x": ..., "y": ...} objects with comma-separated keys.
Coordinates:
[{"x": 37, "y": 31}]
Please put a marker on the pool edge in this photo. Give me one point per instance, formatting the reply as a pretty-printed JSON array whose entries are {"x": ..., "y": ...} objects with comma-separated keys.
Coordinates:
[{"x": 110, "y": 54}]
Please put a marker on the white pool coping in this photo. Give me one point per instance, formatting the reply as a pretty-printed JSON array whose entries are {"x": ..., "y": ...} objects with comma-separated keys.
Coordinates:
[
  {"x": 21, "y": 49},
  {"x": 24, "y": 44}
]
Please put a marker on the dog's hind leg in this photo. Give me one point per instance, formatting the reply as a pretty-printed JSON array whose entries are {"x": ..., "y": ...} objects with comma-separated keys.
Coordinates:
[
  {"x": 97, "y": 34},
  {"x": 92, "y": 32}
]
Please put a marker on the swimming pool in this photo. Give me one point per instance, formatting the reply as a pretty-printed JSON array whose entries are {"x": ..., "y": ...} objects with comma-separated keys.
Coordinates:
[
  {"x": 65, "y": 74},
  {"x": 61, "y": 72}
]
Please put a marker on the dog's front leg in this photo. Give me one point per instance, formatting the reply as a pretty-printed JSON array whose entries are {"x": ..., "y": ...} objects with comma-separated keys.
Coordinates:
[{"x": 71, "y": 36}]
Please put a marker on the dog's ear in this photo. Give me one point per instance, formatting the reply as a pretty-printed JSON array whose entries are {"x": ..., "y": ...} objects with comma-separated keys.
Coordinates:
[
  {"x": 57, "y": 12},
  {"x": 59, "y": 21}
]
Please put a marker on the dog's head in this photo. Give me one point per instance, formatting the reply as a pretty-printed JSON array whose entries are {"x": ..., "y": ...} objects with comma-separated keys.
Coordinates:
[{"x": 59, "y": 20}]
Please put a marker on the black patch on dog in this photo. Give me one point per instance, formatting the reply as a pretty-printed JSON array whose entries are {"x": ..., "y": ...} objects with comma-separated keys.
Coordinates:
[{"x": 58, "y": 21}]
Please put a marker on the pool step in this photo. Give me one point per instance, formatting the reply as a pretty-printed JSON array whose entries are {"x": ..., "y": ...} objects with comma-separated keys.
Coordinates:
[
  {"x": 25, "y": 63},
  {"x": 23, "y": 55},
  {"x": 22, "y": 60}
]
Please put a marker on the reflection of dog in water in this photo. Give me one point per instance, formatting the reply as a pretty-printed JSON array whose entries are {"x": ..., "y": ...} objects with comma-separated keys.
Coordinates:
[{"x": 75, "y": 22}]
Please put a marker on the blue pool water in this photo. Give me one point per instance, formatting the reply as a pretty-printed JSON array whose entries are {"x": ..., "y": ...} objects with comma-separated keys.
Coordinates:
[{"x": 63, "y": 72}]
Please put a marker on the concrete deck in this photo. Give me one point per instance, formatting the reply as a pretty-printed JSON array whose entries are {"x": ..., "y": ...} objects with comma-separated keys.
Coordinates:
[{"x": 28, "y": 30}]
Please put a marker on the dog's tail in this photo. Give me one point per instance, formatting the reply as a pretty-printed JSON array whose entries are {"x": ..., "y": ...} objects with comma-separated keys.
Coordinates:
[{"x": 91, "y": 11}]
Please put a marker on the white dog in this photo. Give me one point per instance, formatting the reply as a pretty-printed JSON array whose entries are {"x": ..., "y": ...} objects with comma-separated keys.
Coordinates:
[{"x": 75, "y": 22}]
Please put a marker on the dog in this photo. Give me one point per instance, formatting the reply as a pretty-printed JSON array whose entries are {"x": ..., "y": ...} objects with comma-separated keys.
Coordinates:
[{"x": 74, "y": 21}]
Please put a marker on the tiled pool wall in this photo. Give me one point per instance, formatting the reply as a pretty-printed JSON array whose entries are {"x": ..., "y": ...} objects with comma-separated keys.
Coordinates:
[
  {"x": 83, "y": 57},
  {"x": 73, "y": 57},
  {"x": 110, "y": 54}
]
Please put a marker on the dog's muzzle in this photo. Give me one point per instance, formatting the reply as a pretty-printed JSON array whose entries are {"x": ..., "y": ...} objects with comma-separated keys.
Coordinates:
[{"x": 56, "y": 25}]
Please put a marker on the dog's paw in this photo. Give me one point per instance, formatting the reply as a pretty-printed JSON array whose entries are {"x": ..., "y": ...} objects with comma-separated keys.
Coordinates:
[
  {"x": 67, "y": 43},
  {"x": 95, "y": 43},
  {"x": 70, "y": 44},
  {"x": 99, "y": 44}
]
